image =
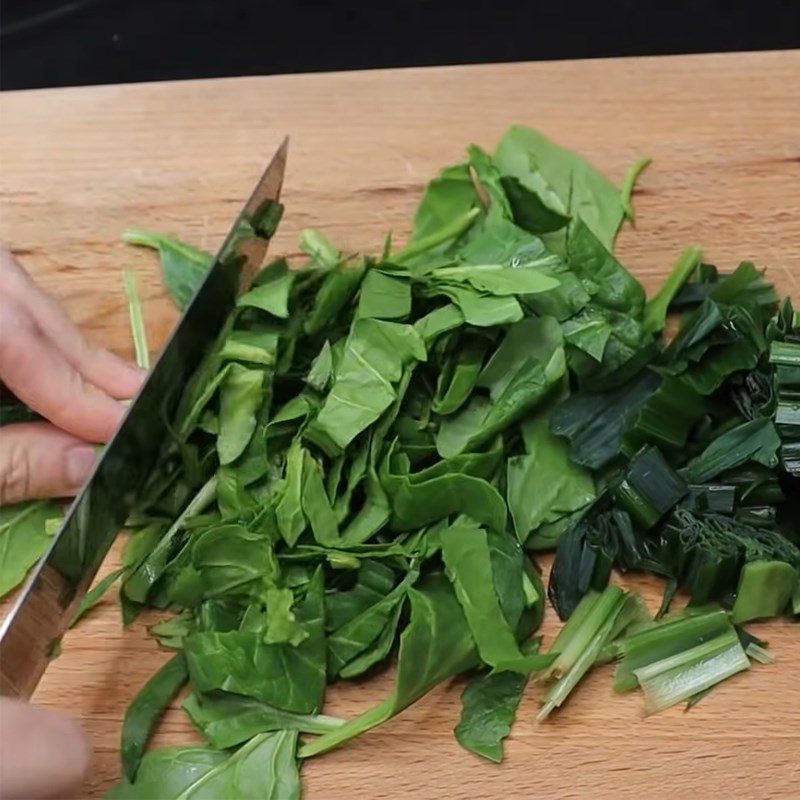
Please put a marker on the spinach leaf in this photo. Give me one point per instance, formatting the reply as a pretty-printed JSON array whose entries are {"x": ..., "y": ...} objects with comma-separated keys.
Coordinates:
[
  {"x": 416, "y": 501},
  {"x": 316, "y": 505},
  {"x": 440, "y": 320},
  {"x": 169, "y": 772},
  {"x": 321, "y": 370},
  {"x": 592, "y": 259},
  {"x": 488, "y": 708},
  {"x": 365, "y": 383},
  {"x": 337, "y": 289},
  {"x": 227, "y": 720},
  {"x": 262, "y": 769},
  {"x": 529, "y": 209},
  {"x": 544, "y": 485},
  {"x": 289, "y": 512},
  {"x": 481, "y": 310},
  {"x": 384, "y": 296},
  {"x": 435, "y": 645},
  {"x": 567, "y": 183},
  {"x": 528, "y": 363},
  {"x": 448, "y": 199},
  {"x": 270, "y": 291},
  {"x": 182, "y": 265},
  {"x": 146, "y": 708},
  {"x": 241, "y": 394},
  {"x": 288, "y": 677},
  {"x": 378, "y": 650},
  {"x": 466, "y": 554},
  {"x": 458, "y": 378},
  {"x": 496, "y": 279},
  {"x": 373, "y": 582},
  {"x": 253, "y": 346},
  {"x": 26, "y": 531},
  {"x": 317, "y": 246},
  {"x": 358, "y": 634},
  {"x": 228, "y": 560}
]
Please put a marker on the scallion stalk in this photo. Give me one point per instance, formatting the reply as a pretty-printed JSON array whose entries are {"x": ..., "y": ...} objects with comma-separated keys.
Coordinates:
[
  {"x": 765, "y": 590},
  {"x": 609, "y": 613},
  {"x": 663, "y": 640},
  {"x": 685, "y": 674}
]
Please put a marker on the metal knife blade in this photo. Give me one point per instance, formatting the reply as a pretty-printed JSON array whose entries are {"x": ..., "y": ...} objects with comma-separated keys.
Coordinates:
[{"x": 48, "y": 603}]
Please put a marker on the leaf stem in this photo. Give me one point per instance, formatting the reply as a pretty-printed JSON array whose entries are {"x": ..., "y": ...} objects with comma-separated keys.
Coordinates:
[
  {"x": 137, "y": 320},
  {"x": 449, "y": 231}
]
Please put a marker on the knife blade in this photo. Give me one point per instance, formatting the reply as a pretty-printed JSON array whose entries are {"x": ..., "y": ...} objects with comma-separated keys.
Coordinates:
[{"x": 34, "y": 626}]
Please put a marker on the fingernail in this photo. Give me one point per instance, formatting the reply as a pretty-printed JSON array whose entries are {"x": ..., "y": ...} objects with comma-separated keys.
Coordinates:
[{"x": 80, "y": 461}]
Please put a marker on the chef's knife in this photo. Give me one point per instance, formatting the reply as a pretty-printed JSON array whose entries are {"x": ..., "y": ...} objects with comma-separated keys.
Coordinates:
[{"x": 31, "y": 631}]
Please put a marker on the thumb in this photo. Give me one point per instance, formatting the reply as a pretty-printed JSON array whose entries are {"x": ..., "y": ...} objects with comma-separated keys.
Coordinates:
[
  {"x": 38, "y": 460},
  {"x": 45, "y": 754}
]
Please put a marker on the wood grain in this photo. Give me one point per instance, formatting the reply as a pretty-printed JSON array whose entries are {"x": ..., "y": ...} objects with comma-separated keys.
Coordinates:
[{"x": 80, "y": 165}]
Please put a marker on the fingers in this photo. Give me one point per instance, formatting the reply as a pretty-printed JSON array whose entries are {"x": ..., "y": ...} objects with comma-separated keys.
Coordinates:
[
  {"x": 37, "y": 460},
  {"x": 97, "y": 365},
  {"x": 43, "y": 379},
  {"x": 44, "y": 754}
]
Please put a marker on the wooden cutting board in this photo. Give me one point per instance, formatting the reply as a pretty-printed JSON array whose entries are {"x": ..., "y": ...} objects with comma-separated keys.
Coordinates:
[{"x": 80, "y": 165}]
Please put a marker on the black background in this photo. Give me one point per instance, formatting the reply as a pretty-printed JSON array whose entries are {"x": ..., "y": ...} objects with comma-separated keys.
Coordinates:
[{"x": 71, "y": 42}]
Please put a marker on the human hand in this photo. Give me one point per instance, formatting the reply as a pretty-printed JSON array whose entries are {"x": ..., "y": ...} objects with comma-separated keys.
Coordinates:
[
  {"x": 42, "y": 754},
  {"x": 75, "y": 385}
]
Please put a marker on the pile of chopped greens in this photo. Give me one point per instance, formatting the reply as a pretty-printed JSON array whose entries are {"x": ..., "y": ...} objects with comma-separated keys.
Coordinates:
[{"x": 367, "y": 464}]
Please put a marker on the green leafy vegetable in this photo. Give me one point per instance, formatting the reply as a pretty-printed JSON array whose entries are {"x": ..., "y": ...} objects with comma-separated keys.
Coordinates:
[
  {"x": 147, "y": 707},
  {"x": 227, "y": 720},
  {"x": 489, "y": 706},
  {"x": 435, "y": 646},
  {"x": 24, "y": 537},
  {"x": 96, "y": 594},
  {"x": 374, "y": 444},
  {"x": 182, "y": 266},
  {"x": 467, "y": 558},
  {"x": 262, "y": 769}
]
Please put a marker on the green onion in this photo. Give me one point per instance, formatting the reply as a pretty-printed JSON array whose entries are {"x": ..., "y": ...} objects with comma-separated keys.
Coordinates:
[
  {"x": 765, "y": 590},
  {"x": 596, "y": 620},
  {"x": 683, "y": 675},
  {"x": 670, "y": 636},
  {"x": 757, "y": 653}
]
